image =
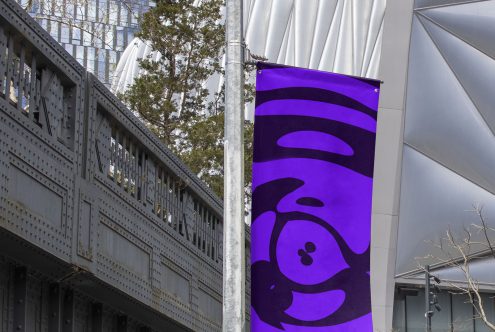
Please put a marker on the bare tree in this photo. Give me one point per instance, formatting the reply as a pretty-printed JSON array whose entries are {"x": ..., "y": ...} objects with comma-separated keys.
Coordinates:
[{"x": 459, "y": 250}]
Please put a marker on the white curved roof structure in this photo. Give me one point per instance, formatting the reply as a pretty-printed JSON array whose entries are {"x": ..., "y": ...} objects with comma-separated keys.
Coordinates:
[
  {"x": 128, "y": 66},
  {"x": 333, "y": 35},
  {"x": 341, "y": 36}
]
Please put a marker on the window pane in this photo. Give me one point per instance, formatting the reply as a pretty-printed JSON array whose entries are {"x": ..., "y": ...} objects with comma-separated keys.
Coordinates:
[
  {"x": 101, "y": 65},
  {"x": 91, "y": 53},
  {"x": 109, "y": 37},
  {"x": 80, "y": 53},
  {"x": 135, "y": 14},
  {"x": 113, "y": 12},
  {"x": 42, "y": 7},
  {"x": 103, "y": 11},
  {"x": 56, "y": 29},
  {"x": 120, "y": 39},
  {"x": 76, "y": 35},
  {"x": 69, "y": 9},
  {"x": 80, "y": 11},
  {"x": 130, "y": 36},
  {"x": 87, "y": 38},
  {"x": 69, "y": 48},
  {"x": 415, "y": 313},
  {"x": 90, "y": 59},
  {"x": 64, "y": 35},
  {"x": 58, "y": 9},
  {"x": 35, "y": 7},
  {"x": 91, "y": 10},
  {"x": 462, "y": 314},
  {"x": 489, "y": 307},
  {"x": 124, "y": 15}
]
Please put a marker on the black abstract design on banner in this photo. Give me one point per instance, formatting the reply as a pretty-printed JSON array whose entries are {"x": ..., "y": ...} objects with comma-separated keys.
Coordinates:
[{"x": 272, "y": 290}]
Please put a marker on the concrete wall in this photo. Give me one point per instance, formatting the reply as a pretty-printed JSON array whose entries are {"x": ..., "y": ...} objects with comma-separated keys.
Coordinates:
[{"x": 388, "y": 158}]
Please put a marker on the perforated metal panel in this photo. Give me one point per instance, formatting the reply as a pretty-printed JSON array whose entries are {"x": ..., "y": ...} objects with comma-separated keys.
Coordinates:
[{"x": 93, "y": 203}]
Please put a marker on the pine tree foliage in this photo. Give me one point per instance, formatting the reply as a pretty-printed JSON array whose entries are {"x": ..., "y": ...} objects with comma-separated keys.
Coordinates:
[
  {"x": 171, "y": 97},
  {"x": 189, "y": 39}
]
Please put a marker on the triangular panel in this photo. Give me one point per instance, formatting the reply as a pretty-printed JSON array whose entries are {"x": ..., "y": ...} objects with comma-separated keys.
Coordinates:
[
  {"x": 279, "y": 19},
  {"x": 418, "y": 4},
  {"x": 344, "y": 47},
  {"x": 474, "y": 69},
  {"x": 304, "y": 23},
  {"x": 480, "y": 269},
  {"x": 473, "y": 22},
  {"x": 261, "y": 11},
  {"x": 373, "y": 37},
  {"x": 373, "y": 65},
  {"x": 433, "y": 199},
  {"x": 326, "y": 11},
  {"x": 441, "y": 120},
  {"x": 329, "y": 52},
  {"x": 361, "y": 14},
  {"x": 285, "y": 41},
  {"x": 289, "y": 56}
]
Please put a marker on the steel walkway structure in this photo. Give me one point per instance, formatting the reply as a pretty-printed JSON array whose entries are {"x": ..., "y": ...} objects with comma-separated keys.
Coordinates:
[{"x": 102, "y": 228}]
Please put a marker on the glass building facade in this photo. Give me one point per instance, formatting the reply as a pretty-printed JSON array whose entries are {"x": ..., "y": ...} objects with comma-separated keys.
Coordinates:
[{"x": 95, "y": 32}]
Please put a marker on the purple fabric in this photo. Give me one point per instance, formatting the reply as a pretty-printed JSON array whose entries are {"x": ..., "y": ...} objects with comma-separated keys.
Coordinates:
[{"x": 314, "y": 144}]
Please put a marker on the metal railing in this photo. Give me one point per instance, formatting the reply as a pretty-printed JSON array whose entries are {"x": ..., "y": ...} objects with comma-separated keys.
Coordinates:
[{"x": 82, "y": 179}]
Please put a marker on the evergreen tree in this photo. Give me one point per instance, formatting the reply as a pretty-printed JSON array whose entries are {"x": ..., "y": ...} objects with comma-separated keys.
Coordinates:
[{"x": 171, "y": 96}]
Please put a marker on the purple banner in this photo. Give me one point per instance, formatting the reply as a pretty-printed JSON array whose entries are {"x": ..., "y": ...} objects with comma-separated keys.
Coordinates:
[{"x": 314, "y": 145}]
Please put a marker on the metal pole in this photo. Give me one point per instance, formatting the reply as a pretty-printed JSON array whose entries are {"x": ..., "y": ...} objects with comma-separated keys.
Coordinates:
[
  {"x": 427, "y": 297},
  {"x": 234, "y": 256}
]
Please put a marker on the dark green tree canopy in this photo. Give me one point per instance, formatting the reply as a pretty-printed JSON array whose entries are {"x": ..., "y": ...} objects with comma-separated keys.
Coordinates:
[
  {"x": 190, "y": 40},
  {"x": 171, "y": 96}
]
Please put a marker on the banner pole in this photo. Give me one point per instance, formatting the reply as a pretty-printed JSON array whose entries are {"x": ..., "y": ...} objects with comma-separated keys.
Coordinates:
[{"x": 233, "y": 218}]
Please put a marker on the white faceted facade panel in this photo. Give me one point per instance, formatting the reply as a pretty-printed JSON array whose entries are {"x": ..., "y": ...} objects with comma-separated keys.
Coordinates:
[
  {"x": 341, "y": 36},
  {"x": 449, "y": 153},
  {"x": 480, "y": 269}
]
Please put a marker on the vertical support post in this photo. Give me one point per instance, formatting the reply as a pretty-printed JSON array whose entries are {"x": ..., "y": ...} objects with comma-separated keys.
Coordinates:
[
  {"x": 20, "y": 298},
  {"x": 122, "y": 323},
  {"x": 3, "y": 60},
  {"x": 10, "y": 68},
  {"x": 97, "y": 317},
  {"x": 428, "y": 312},
  {"x": 68, "y": 312},
  {"x": 54, "y": 307},
  {"x": 32, "y": 88},
  {"x": 20, "y": 78},
  {"x": 233, "y": 264}
]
